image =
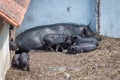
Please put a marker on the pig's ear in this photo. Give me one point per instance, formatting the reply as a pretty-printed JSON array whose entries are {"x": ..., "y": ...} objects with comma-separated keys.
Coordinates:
[
  {"x": 89, "y": 28},
  {"x": 89, "y": 24}
]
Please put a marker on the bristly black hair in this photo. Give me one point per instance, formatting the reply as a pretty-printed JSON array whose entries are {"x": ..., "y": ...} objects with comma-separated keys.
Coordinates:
[{"x": 59, "y": 24}]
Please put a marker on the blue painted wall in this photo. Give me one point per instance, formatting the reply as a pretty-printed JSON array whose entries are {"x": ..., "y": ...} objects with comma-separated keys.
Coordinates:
[
  {"x": 43, "y": 12},
  {"x": 110, "y": 18}
]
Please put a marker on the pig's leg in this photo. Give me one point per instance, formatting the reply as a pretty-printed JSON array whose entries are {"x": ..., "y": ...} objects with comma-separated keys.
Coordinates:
[
  {"x": 51, "y": 48},
  {"x": 62, "y": 48},
  {"x": 57, "y": 47}
]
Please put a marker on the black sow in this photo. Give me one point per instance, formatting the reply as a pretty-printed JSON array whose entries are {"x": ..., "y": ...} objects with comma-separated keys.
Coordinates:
[{"x": 33, "y": 38}]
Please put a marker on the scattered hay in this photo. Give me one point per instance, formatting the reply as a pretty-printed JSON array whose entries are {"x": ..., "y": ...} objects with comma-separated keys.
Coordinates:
[{"x": 100, "y": 64}]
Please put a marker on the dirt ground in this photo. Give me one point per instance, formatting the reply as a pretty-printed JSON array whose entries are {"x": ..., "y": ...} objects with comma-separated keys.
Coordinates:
[{"x": 100, "y": 64}]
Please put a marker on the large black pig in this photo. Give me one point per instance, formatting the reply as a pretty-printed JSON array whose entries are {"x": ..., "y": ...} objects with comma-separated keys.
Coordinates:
[{"x": 33, "y": 38}]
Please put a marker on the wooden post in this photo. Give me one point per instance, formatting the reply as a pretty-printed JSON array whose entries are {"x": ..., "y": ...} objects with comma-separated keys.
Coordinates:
[
  {"x": 12, "y": 35},
  {"x": 98, "y": 16}
]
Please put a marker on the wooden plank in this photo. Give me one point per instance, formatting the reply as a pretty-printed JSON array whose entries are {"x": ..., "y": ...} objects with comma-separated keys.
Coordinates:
[{"x": 13, "y": 11}]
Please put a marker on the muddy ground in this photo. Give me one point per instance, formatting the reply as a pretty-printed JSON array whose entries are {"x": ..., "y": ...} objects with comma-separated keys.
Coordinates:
[{"x": 100, "y": 64}]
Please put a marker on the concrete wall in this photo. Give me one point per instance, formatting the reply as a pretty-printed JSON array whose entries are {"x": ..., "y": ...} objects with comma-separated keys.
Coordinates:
[
  {"x": 110, "y": 18},
  {"x": 4, "y": 49},
  {"x": 42, "y": 12}
]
